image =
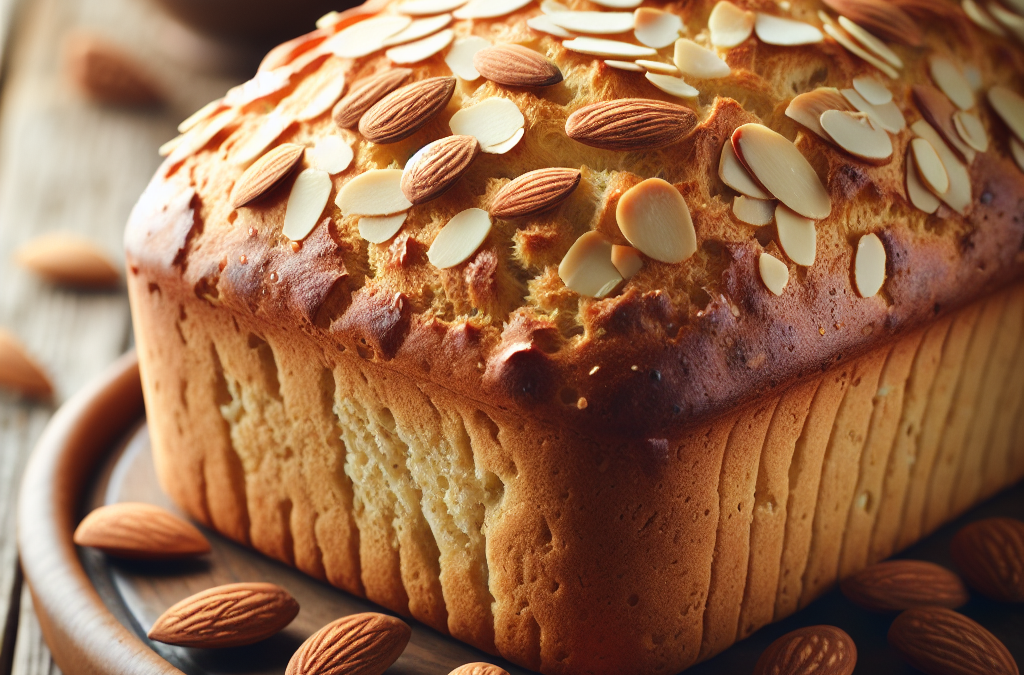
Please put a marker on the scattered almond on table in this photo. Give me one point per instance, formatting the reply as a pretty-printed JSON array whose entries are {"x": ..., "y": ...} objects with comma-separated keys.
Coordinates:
[
  {"x": 479, "y": 668},
  {"x": 822, "y": 650},
  {"x": 939, "y": 641},
  {"x": 139, "y": 531},
  {"x": 990, "y": 555},
  {"x": 360, "y": 644},
  {"x": 21, "y": 373},
  {"x": 107, "y": 73},
  {"x": 70, "y": 260},
  {"x": 896, "y": 585}
]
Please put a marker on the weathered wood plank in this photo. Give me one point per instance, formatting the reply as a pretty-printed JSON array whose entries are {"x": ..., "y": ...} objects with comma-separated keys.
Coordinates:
[{"x": 31, "y": 657}]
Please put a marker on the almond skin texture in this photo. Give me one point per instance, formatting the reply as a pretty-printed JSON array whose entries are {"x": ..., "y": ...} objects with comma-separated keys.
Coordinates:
[
  {"x": 226, "y": 616},
  {"x": 516, "y": 66},
  {"x": 630, "y": 124},
  {"x": 479, "y": 669},
  {"x": 821, "y": 650},
  {"x": 437, "y": 167},
  {"x": 19, "y": 372},
  {"x": 140, "y": 532},
  {"x": 535, "y": 192},
  {"x": 365, "y": 93},
  {"x": 265, "y": 173},
  {"x": 896, "y": 585},
  {"x": 405, "y": 111},
  {"x": 939, "y": 641},
  {"x": 360, "y": 644},
  {"x": 66, "y": 259},
  {"x": 990, "y": 555}
]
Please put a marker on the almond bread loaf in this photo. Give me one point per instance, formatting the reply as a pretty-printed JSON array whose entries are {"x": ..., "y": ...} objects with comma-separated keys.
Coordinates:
[{"x": 600, "y": 334}]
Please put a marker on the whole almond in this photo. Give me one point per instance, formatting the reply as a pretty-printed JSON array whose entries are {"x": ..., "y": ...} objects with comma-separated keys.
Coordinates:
[
  {"x": 19, "y": 372},
  {"x": 516, "y": 66},
  {"x": 226, "y": 616},
  {"x": 64, "y": 258},
  {"x": 884, "y": 18},
  {"x": 365, "y": 93},
  {"x": 896, "y": 585},
  {"x": 939, "y": 641},
  {"x": 140, "y": 532},
  {"x": 479, "y": 668},
  {"x": 990, "y": 555},
  {"x": 822, "y": 650},
  {"x": 265, "y": 173},
  {"x": 535, "y": 192},
  {"x": 630, "y": 124},
  {"x": 360, "y": 644},
  {"x": 405, "y": 111},
  {"x": 435, "y": 169}
]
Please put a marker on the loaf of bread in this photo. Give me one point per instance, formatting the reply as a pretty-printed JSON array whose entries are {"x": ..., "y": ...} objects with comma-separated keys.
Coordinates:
[{"x": 596, "y": 335}]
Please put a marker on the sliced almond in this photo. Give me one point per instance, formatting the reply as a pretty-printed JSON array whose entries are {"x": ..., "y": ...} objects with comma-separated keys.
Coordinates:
[
  {"x": 1017, "y": 150},
  {"x": 658, "y": 67},
  {"x": 428, "y": 7},
  {"x": 938, "y": 110},
  {"x": 654, "y": 218},
  {"x": 594, "y": 23},
  {"x": 377, "y": 192},
  {"x": 774, "y": 273},
  {"x": 920, "y": 196},
  {"x": 543, "y": 24},
  {"x": 328, "y": 90},
  {"x": 437, "y": 167},
  {"x": 68, "y": 259},
  {"x": 419, "y": 28},
  {"x": 869, "y": 266},
  {"x": 459, "y": 238},
  {"x": 365, "y": 93},
  {"x": 535, "y": 192},
  {"x": 882, "y": 17},
  {"x": 19, "y": 372},
  {"x": 780, "y": 168},
  {"x": 421, "y": 50},
  {"x": 872, "y": 89},
  {"x": 489, "y": 9},
  {"x": 958, "y": 197},
  {"x": 735, "y": 175},
  {"x": 888, "y": 115},
  {"x": 273, "y": 126},
  {"x": 951, "y": 81},
  {"x": 624, "y": 65},
  {"x": 797, "y": 236},
  {"x": 929, "y": 166},
  {"x": 587, "y": 267},
  {"x": 1010, "y": 107},
  {"x": 775, "y": 30},
  {"x": 627, "y": 261},
  {"x": 609, "y": 48},
  {"x": 264, "y": 84},
  {"x": 379, "y": 229},
  {"x": 550, "y": 6},
  {"x": 460, "y": 57},
  {"x": 366, "y": 37},
  {"x": 168, "y": 147},
  {"x": 756, "y": 212},
  {"x": 676, "y": 86},
  {"x": 204, "y": 113},
  {"x": 265, "y": 173},
  {"x": 807, "y": 108},
  {"x": 852, "y": 46},
  {"x": 1011, "y": 21},
  {"x": 505, "y": 146},
  {"x": 516, "y": 66},
  {"x": 656, "y": 28},
  {"x": 855, "y": 133},
  {"x": 696, "y": 61},
  {"x": 492, "y": 121},
  {"x": 406, "y": 110},
  {"x": 200, "y": 136},
  {"x": 618, "y": 4},
  {"x": 306, "y": 202},
  {"x": 630, "y": 124},
  {"x": 981, "y": 18},
  {"x": 870, "y": 42},
  {"x": 331, "y": 154},
  {"x": 730, "y": 25},
  {"x": 971, "y": 130}
]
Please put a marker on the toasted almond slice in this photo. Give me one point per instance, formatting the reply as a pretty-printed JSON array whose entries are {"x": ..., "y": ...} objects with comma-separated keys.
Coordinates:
[
  {"x": 1017, "y": 150},
  {"x": 200, "y": 135},
  {"x": 264, "y": 84},
  {"x": 20, "y": 372},
  {"x": 775, "y": 30},
  {"x": 365, "y": 93},
  {"x": 856, "y": 134},
  {"x": 870, "y": 42},
  {"x": 627, "y": 261},
  {"x": 735, "y": 175},
  {"x": 505, "y": 146},
  {"x": 696, "y": 61},
  {"x": 869, "y": 266},
  {"x": 587, "y": 267},
  {"x": 618, "y": 4},
  {"x": 366, "y": 37},
  {"x": 437, "y": 167},
  {"x": 1012, "y": 22},
  {"x": 516, "y": 66},
  {"x": 265, "y": 173},
  {"x": 378, "y": 229},
  {"x": 256, "y": 144},
  {"x": 971, "y": 130},
  {"x": 844, "y": 39},
  {"x": 780, "y": 168},
  {"x": 624, "y": 65},
  {"x": 656, "y": 28},
  {"x": 872, "y": 89},
  {"x": 377, "y": 192},
  {"x": 938, "y": 110},
  {"x": 929, "y": 166},
  {"x": 756, "y": 212},
  {"x": 535, "y": 192},
  {"x": 883, "y": 18},
  {"x": 658, "y": 67},
  {"x": 550, "y": 6},
  {"x": 920, "y": 196},
  {"x": 982, "y": 18},
  {"x": 888, "y": 115},
  {"x": 958, "y": 197},
  {"x": 594, "y": 23},
  {"x": 206, "y": 112},
  {"x": 492, "y": 121},
  {"x": 654, "y": 217},
  {"x": 460, "y": 57},
  {"x": 421, "y": 50},
  {"x": 1010, "y": 107},
  {"x": 608, "y": 48},
  {"x": 406, "y": 110},
  {"x": 326, "y": 96},
  {"x": 419, "y": 28},
  {"x": 489, "y": 9},
  {"x": 669, "y": 84},
  {"x": 806, "y": 109},
  {"x": 459, "y": 239},
  {"x": 951, "y": 81},
  {"x": 428, "y": 7},
  {"x": 331, "y": 154},
  {"x": 730, "y": 25},
  {"x": 168, "y": 147},
  {"x": 543, "y": 24},
  {"x": 797, "y": 236},
  {"x": 68, "y": 259},
  {"x": 774, "y": 273},
  {"x": 306, "y": 202}
]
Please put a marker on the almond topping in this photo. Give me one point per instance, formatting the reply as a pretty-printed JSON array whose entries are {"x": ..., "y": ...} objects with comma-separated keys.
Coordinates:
[
  {"x": 516, "y": 66},
  {"x": 609, "y": 48},
  {"x": 630, "y": 124},
  {"x": 587, "y": 267},
  {"x": 958, "y": 197},
  {"x": 405, "y": 111},
  {"x": 938, "y": 111},
  {"x": 730, "y": 25},
  {"x": 852, "y": 46},
  {"x": 755, "y": 212},
  {"x": 139, "y": 531},
  {"x": 436, "y": 167},
  {"x": 331, "y": 154},
  {"x": 780, "y": 168},
  {"x": 428, "y": 7},
  {"x": 654, "y": 218},
  {"x": 535, "y": 192},
  {"x": 774, "y": 273},
  {"x": 797, "y": 236},
  {"x": 618, "y": 4},
  {"x": 627, "y": 261},
  {"x": 920, "y": 196},
  {"x": 971, "y": 130},
  {"x": 20, "y": 372},
  {"x": 872, "y": 89},
  {"x": 365, "y": 93},
  {"x": 421, "y": 50},
  {"x": 364, "y": 38},
  {"x": 929, "y": 166},
  {"x": 378, "y": 229},
  {"x": 887, "y": 115},
  {"x": 951, "y": 81},
  {"x": 543, "y": 24},
  {"x": 656, "y": 28},
  {"x": 808, "y": 107},
  {"x": 200, "y": 136},
  {"x": 855, "y": 133},
  {"x": 594, "y": 23},
  {"x": 696, "y": 61},
  {"x": 870, "y": 42},
  {"x": 1010, "y": 108},
  {"x": 489, "y": 9},
  {"x": 869, "y": 266},
  {"x": 775, "y": 30},
  {"x": 502, "y": 148},
  {"x": 269, "y": 131},
  {"x": 265, "y": 173},
  {"x": 657, "y": 67},
  {"x": 735, "y": 175},
  {"x": 65, "y": 258},
  {"x": 419, "y": 28},
  {"x": 981, "y": 18},
  {"x": 676, "y": 86},
  {"x": 377, "y": 192},
  {"x": 492, "y": 122},
  {"x": 360, "y": 644},
  {"x": 306, "y": 202},
  {"x": 625, "y": 65},
  {"x": 460, "y": 57},
  {"x": 882, "y": 17},
  {"x": 459, "y": 239},
  {"x": 1011, "y": 21},
  {"x": 204, "y": 113}
]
